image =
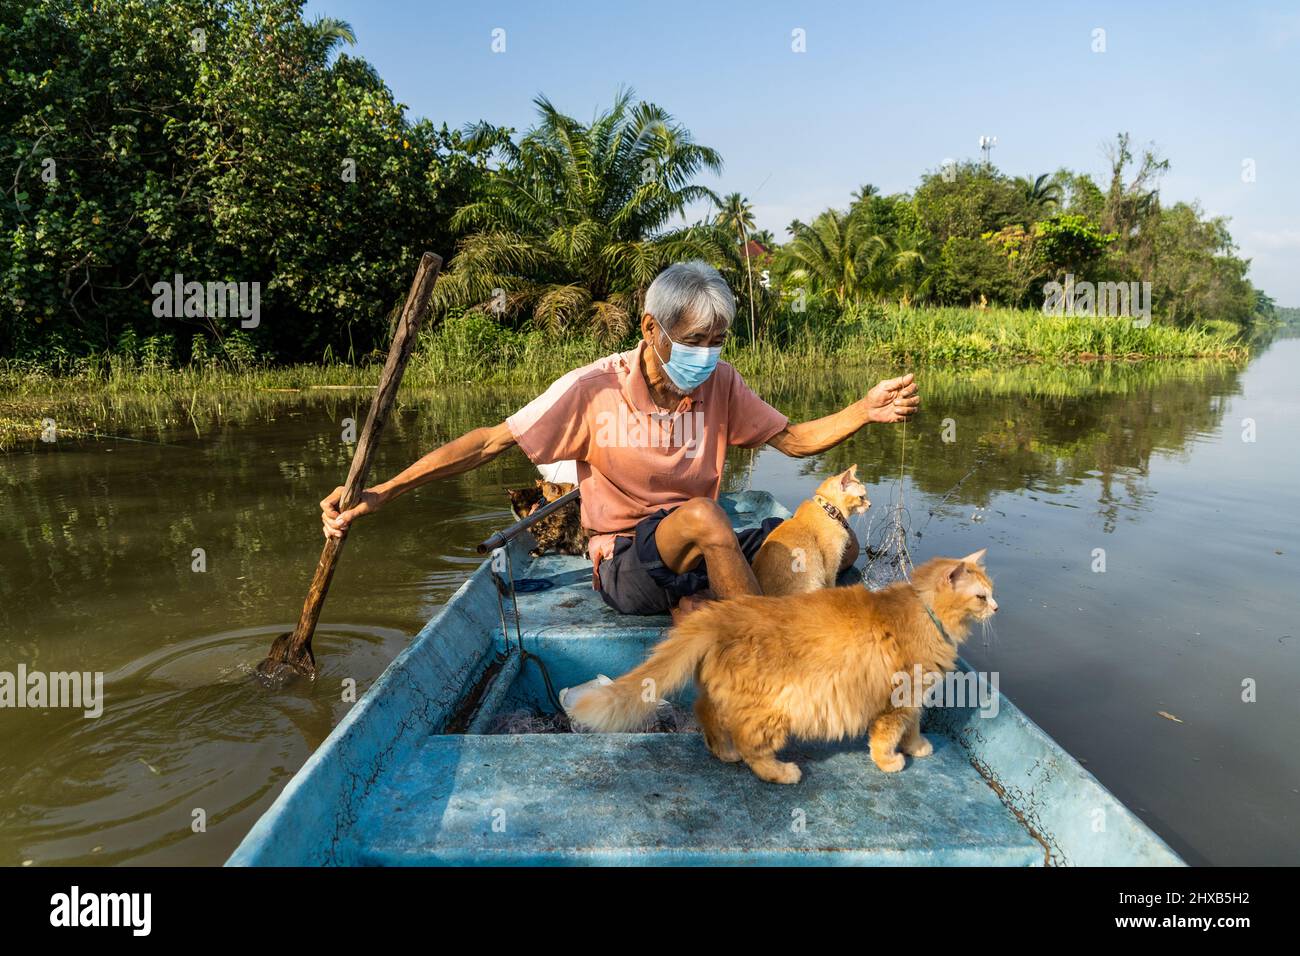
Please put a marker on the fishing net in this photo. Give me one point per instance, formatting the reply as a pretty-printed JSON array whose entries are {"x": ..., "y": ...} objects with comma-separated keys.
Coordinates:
[
  {"x": 529, "y": 722},
  {"x": 884, "y": 544}
]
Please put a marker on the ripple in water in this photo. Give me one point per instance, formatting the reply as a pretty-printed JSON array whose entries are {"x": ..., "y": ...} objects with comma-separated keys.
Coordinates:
[{"x": 188, "y": 752}]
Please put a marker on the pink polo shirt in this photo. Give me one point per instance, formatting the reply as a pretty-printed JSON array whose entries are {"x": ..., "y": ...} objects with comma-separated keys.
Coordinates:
[{"x": 633, "y": 457}]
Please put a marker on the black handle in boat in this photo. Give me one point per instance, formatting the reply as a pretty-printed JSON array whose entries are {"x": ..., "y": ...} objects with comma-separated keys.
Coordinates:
[{"x": 501, "y": 538}]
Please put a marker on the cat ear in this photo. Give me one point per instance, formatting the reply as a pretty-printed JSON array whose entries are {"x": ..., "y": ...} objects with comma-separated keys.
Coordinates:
[
  {"x": 956, "y": 573},
  {"x": 976, "y": 558},
  {"x": 848, "y": 477}
]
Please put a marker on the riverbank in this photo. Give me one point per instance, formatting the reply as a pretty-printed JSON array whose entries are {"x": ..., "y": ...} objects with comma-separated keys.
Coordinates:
[{"x": 473, "y": 350}]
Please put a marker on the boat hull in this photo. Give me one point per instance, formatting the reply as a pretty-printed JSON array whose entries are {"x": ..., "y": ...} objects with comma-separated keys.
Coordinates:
[{"x": 409, "y": 777}]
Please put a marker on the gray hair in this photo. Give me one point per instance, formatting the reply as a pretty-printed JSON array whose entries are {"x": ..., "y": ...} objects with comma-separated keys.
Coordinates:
[{"x": 692, "y": 296}]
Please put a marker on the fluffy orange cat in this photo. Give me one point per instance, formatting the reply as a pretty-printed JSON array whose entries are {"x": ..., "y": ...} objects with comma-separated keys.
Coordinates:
[
  {"x": 804, "y": 553},
  {"x": 818, "y": 666}
]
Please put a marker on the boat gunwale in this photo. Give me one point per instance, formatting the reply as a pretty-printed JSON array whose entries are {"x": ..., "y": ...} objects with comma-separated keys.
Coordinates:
[
  {"x": 1053, "y": 794},
  {"x": 260, "y": 840}
]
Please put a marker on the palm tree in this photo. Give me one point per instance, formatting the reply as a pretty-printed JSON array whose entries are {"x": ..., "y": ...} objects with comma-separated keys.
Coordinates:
[
  {"x": 831, "y": 253},
  {"x": 864, "y": 193},
  {"x": 330, "y": 32},
  {"x": 911, "y": 253},
  {"x": 1041, "y": 196},
  {"x": 579, "y": 218},
  {"x": 842, "y": 256},
  {"x": 736, "y": 213}
]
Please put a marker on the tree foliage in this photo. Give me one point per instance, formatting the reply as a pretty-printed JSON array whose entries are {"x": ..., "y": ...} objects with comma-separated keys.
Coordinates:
[
  {"x": 971, "y": 235},
  {"x": 850, "y": 256},
  {"x": 580, "y": 218},
  {"x": 234, "y": 141},
  {"x": 215, "y": 140}
]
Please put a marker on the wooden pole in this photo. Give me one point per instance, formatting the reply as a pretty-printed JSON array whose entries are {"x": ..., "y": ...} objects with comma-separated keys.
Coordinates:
[{"x": 291, "y": 654}]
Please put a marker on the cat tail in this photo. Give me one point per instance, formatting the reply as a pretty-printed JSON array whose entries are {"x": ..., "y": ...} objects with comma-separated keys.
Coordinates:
[{"x": 627, "y": 703}]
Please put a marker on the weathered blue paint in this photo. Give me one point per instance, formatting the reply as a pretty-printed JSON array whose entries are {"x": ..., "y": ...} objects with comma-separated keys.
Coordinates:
[
  {"x": 390, "y": 787},
  {"x": 661, "y": 798}
]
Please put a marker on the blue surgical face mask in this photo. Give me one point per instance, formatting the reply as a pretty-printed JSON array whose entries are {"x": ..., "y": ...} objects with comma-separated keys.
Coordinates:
[{"x": 689, "y": 366}]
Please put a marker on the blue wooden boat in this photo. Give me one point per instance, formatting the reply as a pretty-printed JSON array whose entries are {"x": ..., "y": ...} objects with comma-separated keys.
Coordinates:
[{"x": 408, "y": 777}]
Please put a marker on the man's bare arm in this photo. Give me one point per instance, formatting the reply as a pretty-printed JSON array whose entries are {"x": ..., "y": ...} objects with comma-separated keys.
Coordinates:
[
  {"x": 894, "y": 400},
  {"x": 798, "y": 440},
  {"x": 459, "y": 455}
]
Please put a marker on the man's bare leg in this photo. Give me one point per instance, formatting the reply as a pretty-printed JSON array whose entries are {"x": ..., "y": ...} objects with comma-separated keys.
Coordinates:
[
  {"x": 700, "y": 529},
  {"x": 851, "y": 552},
  {"x": 692, "y": 602}
]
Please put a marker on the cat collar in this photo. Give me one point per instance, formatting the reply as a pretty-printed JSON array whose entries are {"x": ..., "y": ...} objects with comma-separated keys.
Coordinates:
[{"x": 833, "y": 511}]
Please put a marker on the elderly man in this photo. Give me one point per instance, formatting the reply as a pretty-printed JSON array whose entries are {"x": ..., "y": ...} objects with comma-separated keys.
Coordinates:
[{"x": 649, "y": 430}]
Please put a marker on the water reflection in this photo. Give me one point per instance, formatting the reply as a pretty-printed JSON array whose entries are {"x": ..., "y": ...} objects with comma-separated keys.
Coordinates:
[{"x": 101, "y": 538}]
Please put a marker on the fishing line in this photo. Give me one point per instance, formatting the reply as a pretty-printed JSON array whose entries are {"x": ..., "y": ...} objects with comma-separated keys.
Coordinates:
[
  {"x": 524, "y": 654},
  {"x": 78, "y": 433},
  {"x": 888, "y": 557},
  {"x": 948, "y": 494}
]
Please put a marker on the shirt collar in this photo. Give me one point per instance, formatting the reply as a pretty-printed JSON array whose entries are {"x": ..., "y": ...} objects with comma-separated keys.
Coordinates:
[{"x": 637, "y": 390}]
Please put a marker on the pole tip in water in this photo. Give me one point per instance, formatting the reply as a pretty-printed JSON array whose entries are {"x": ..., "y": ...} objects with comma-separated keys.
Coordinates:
[{"x": 285, "y": 665}]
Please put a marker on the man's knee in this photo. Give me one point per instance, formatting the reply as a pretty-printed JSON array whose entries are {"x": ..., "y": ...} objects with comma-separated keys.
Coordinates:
[{"x": 707, "y": 523}]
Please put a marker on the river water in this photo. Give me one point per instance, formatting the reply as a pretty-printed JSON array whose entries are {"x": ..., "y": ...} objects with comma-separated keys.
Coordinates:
[{"x": 168, "y": 562}]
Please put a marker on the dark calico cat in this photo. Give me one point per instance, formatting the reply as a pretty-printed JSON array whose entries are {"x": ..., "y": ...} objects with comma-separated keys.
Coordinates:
[{"x": 558, "y": 533}]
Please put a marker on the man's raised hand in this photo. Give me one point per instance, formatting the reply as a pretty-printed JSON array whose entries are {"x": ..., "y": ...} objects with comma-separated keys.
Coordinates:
[{"x": 893, "y": 400}]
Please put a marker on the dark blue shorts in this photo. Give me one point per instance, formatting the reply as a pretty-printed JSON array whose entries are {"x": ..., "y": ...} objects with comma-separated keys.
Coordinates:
[{"x": 634, "y": 579}]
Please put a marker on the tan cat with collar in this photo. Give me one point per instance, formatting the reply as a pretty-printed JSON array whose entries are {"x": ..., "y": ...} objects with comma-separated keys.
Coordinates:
[{"x": 804, "y": 553}]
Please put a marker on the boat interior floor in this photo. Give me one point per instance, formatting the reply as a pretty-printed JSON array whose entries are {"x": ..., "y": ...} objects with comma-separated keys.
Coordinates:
[
  {"x": 656, "y": 797},
  {"x": 430, "y": 766}
]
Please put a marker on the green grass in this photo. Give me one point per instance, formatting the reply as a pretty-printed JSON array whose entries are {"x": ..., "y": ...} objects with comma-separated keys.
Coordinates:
[
  {"x": 473, "y": 350},
  {"x": 964, "y": 337}
]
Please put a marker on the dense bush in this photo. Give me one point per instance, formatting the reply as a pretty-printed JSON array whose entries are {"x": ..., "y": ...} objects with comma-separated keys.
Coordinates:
[
  {"x": 229, "y": 141},
  {"x": 215, "y": 139}
]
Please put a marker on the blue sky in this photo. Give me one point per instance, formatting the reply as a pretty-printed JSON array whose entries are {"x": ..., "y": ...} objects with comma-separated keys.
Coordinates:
[{"x": 886, "y": 91}]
